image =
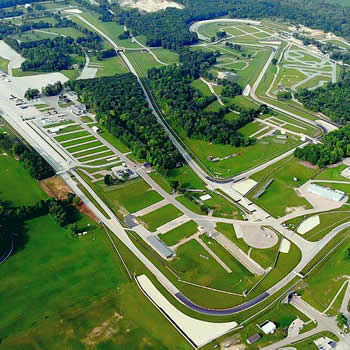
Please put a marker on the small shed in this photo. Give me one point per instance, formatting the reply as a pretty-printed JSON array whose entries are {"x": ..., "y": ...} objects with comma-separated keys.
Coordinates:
[
  {"x": 268, "y": 327},
  {"x": 96, "y": 130},
  {"x": 254, "y": 338}
]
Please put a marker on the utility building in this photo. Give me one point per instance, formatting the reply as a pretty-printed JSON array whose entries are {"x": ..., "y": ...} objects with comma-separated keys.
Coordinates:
[{"x": 326, "y": 192}]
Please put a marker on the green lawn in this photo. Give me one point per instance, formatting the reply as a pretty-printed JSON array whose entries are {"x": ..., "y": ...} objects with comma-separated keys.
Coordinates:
[
  {"x": 177, "y": 234},
  {"x": 72, "y": 136},
  {"x": 320, "y": 287},
  {"x": 194, "y": 264},
  {"x": 213, "y": 107},
  {"x": 131, "y": 196},
  {"x": 161, "y": 181},
  {"x": 111, "y": 66},
  {"x": 143, "y": 61},
  {"x": 202, "y": 87},
  {"x": 244, "y": 157},
  {"x": 83, "y": 147},
  {"x": 166, "y": 56},
  {"x": 328, "y": 221},
  {"x": 4, "y": 64},
  {"x": 308, "y": 344},
  {"x": 67, "y": 31},
  {"x": 112, "y": 139},
  {"x": 229, "y": 231},
  {"x": 67, "y": 310},
  {"x": 332, "y": 174},
  {"x": 16, "y": 184},
  {"x": 77, "y": 142},
  {"x": 160, "y": 216},
  {"x": 282, "y": 174},
  {"x": 91, "y": 151},
  {"x": 96, "y": 156},
  {"x": 186, "y": 177}
]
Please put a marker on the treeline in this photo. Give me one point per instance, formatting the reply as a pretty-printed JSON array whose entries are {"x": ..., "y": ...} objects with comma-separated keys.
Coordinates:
[
  {"x": 169, "y": 28},
  {"x": 184, "y": 106},
  {"x": 10, "y": 3},
  {"x": 335, "y": 146},
  {"x": 38, "y": 168},
  {"x": 120, "y": 105},
  {"x": 333, "y": 100},
  {"x": 46, "y": 55}
]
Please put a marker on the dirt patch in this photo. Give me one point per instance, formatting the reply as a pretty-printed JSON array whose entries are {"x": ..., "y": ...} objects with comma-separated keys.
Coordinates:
[
  {"x": 294, "y": 209},
  {"x": 308, "y": 164},
  {"x": 84, "y": 209},
  {"x": 104, "y": 331},
  {"x": 150, "y": 5},
  {"x": 55, "y": 187}
]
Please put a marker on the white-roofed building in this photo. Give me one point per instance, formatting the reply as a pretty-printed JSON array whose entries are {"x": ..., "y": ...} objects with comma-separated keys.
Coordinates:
[
  {"x": 326, "y": 192},
  {"x": 268, "y": 327}
]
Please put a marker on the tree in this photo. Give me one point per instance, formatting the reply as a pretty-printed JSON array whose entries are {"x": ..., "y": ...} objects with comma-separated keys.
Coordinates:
[
  {"x": 284, "y": 95},
  {"x": 108, "y": 180},
  {"x": 174, "y": 185},
  {"x": 73, "y": 228},
  {"x": 204, "y": 208},
  {"x": 76, "y": 201},
  {"x": 274, "y": 61},
  {"x": 347, "y": 254},
  {"x": 342, "y": 320},
  {"x": 30, "y": 94}
]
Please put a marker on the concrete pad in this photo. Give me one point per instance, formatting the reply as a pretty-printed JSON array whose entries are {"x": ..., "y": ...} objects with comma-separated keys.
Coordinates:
[
  {"x": 243, "y": 187},
  {"x": 285, "y": 246},
  {"x": 197, "y": 332},
  {"x": 319, "y": 203},
  {"x": 295, "y": 327},
  {"x": 308, "y": 224},
  {"x": 72, "y": 11},
  {"x": 150, "y": 208},
  {"x": 10, "y": 54},
  {"x": 259, "y": 237},
  {"x": 173, "y": 224},
  {"x": 238, "y": 230}
]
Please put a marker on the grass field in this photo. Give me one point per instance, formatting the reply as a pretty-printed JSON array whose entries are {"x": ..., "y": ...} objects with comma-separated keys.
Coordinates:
[
  {"x": 143, "y": 61},
  {"x": 328, "y": 221},
  {"x": 90, "y": 151},
  {"x": 110, "y": 66},
  {"x": 77, "y": 142},
  {"x": 72, "y": 136},
  {"x": 320, "y": 287},
  {"x": 160, "y": 216},
  {"x": 79, "y": 148},
  {"x": 166, "y": 56},
  {"x": 308, "y": 344},
  {"x": 245, "y": 157},
  {"x": 68, "y": 31},
  {"x": 282, "y": 174},
  {"x": 101, "y": 315},
  {"x": 69, "y": 129},
  {"x": 193, "y": 263},
  {"x": 4, "y": 64},
  {"x": 16, "y": 184},
  {"x": 177, "y": 234},
  {"x": 112, "y": 139},
  {"x": 128, "y": 197},
  {"x": 202, "y": 87},
  {"x": 96, "y": 156},
  {"x": 332, "y": 174}
]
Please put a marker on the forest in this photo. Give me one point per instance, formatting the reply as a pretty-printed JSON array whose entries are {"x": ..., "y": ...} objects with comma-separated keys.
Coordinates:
[
  {"x": 335, "y": 146},
  {"x": 46, "y": 55},
  {"x": 184, "y": 106},
  {"x": 333, "y": 100},
  {"x": 169, "y": 28},
  {"x": 120, "y": 105}
]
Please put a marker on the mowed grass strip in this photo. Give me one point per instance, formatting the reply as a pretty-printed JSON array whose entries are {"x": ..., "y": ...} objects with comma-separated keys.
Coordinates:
[
  {"x": 96, "y": 156},
  {"x": 78, "y": 142},
  {"x": 283, "y": 174},
  {"x": 194, "y": 264},
  {"x": 90, "y": 151},
  {"x": 70, "y": 128},
  {"x": 132, "y": 195},
  {"x": 16, "y": 184},
  {"x": 84, "y": 147},
  {"x": 72, "y": 136},
  {"x": 178, "y": 233},
  {"x": 160, "y": 216}
]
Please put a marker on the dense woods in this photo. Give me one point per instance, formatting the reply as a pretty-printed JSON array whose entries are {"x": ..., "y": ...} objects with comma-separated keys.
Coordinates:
[
  {"x": 332, "y": 100},
  {"x": 120, "y": 105},
  {"x": 169, "y": 28},
  {"x": 335, "y": 146},
  {"x": 46, "y": 55},
  {"x": 184, "y": 106}
]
